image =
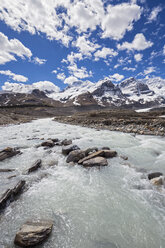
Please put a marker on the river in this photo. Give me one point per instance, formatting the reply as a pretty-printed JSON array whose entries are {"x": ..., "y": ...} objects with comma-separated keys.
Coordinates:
[{"x": 114, "y": 207}]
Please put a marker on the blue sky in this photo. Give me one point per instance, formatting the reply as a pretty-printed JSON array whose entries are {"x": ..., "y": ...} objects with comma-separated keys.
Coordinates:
[{"x": 61, "y": 41}]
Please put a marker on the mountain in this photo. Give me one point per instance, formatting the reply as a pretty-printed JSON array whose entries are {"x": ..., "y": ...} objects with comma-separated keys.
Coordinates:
[{"x": 134, "y": 93}]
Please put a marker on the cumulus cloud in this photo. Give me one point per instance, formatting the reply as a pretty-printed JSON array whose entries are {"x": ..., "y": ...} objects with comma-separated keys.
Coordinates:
[
  {"x": 138, "y": 57},
  {"x": 45, "y": 86},
  {"x": 119, "y": 19},
  {"x": 70, "y": 80},
  {"x": 10, "y": 49},
  {"x": 116, "y": 77},
  {"x": 104, "y": 53},
  {"x": 139, "y": 43},
  {"x": 154, "y": 13},
  {"x": 129, "y": 69},
  {"x": 149, "y": 70},
  {"x": 57, "y": 18},
  {"x": 39, "y": 61},
  {"x": 61, "y": 76},
  {"x": 85, "y": 46},
  {"x": 15, "y": 77},
  {"x": 79, "y": 72},
  {"x": 164, "y": 50}
]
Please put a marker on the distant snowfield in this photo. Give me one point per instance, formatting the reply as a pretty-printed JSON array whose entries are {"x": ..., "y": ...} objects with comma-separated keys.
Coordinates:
[{"x": 143, "y": 110}]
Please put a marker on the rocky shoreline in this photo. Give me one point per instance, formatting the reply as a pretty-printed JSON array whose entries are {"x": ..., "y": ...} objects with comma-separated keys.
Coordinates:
[{"x": 122, "y": 121}]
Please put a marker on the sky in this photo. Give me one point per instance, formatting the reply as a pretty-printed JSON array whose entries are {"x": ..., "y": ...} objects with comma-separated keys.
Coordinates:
[{"x": 54, "y": 43}]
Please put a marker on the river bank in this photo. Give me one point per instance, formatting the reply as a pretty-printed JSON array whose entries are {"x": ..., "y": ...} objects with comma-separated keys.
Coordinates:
[{"x": 126, "y": 121}]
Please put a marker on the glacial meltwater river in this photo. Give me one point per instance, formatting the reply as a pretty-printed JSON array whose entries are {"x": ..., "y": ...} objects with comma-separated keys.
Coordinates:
[{"x": 114, "y": 207}]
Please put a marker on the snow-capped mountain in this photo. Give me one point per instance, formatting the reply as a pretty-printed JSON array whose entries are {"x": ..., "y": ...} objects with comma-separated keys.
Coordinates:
[{"x": 133, "y": 92}]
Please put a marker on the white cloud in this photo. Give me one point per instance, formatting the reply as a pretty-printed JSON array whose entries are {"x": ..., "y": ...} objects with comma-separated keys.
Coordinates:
[
  {"x": 79, "y": 72},
  {"x": 116, "y": 77},
  {"x": 104, "y": 52},
  {"x": 61, "y": 76},
  {"x": 149, "y": 70},
  {"x": 15, "y": 77},
  {"x": 39, "y": 61},
  {"x": 70, "y": 80},
  {"x": 45, "y": 86},
  {"x": 85, "y": 46},
  {"x": 164, "y": 50},
  {"x": 138, "y": 57},
  {"x": 139, "y": 43},
  {"x": 82, "y": 16},
  {"x": 72, "y": 57},
  {"x": 54, "y": 71},
  {"x": 119, "y": 19},
  {"x": 129, "y": 69},
  {"x": 154, "y": 13},
  {"x": 9, "y": 49}
]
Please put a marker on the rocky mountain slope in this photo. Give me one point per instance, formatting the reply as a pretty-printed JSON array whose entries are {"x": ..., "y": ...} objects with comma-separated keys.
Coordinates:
[{"x": 129, "y": 93}]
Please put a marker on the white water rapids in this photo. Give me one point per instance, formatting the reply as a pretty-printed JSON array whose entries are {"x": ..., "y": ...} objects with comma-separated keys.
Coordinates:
[{"x": 114, "y": 207}]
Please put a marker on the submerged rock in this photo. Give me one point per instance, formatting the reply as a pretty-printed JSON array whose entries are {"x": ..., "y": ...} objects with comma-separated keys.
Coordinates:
[
  {"x": 33, "y": 233},
  {"x": 154, "y": 174},
  {"x": 75, "y": 156},
  {"x": 8, "y": 152},
  {"x": 98, "y": 161},
  {"x": 67, "y": 149}
]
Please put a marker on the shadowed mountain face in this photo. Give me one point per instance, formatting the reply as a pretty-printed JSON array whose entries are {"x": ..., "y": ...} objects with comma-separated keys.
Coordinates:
[{"x": 129, "y": 93}]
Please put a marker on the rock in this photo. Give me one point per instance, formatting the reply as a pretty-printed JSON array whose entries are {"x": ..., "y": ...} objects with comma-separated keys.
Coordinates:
[
  {"x": 97, "y": 161},
  {"x": 154, "y": 174},
  {"x": 7, "y": 170},
  {"x": 93, "y": 155},
  {"x": 90, "y": 150},
  {"x": 124, "y": 157},
  {"x": 75, "y": 156},
  {"x": 66, "y": 142},
  {"x": 33, "y": 233},
  {"x": 10, "y": 194},
  {"x": 8, "y": 152},
  {"x": 109, "y": 154},
  {"x": 19, "y": 186},
  {"x": 48, "y": 143},
  {"x": 55, "y": 140},
  {"x": 158, "y": 181},
  {"x": 67, "y": 149},
  {"x": 35, "y": 166},
  {"x": 105, "y": 148}
]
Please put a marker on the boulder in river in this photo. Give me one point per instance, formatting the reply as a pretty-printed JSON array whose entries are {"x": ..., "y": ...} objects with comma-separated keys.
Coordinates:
[
  {"x": 8, "y": 152},
  {"x": 158, "y": 181},
  {"x": 11, "y": 193},
  {"x": 92, "y": 155},
  {"x": 109, "y": 154},
  {"x": 35, "y": 166},
  {"x": 154, "y": 174},
  {"x": 67, "y": 149},
  {"x": 90, "y": 150},
  {"x": 75, "y": 156},
  {"x": 33, "y": 233},
  {"x": 66, "y": 142},
  {"x": 97, "y": 161},
  {"x": 48, "y": 143}
]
